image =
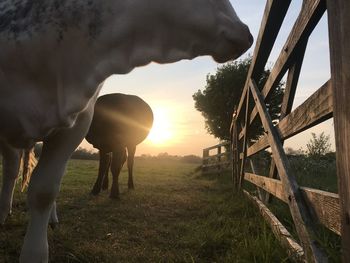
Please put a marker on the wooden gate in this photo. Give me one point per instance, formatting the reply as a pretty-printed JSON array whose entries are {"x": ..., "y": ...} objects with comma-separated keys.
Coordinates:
[
  {"x": 330, "y": 100},
  {"x": 219, "y": 162}
]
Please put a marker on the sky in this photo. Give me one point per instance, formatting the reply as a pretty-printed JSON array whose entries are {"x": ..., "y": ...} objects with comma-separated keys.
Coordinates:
[{"x": 178, "y": 128}]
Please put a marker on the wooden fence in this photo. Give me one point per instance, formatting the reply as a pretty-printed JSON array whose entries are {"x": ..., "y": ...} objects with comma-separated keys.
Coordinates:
[
  {"x": 331, "y": 100},
  {"x": 218, "y": 162}
]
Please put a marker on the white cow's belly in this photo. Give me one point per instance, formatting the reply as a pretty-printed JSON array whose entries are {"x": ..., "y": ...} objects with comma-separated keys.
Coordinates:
[{"x": 28, "y": 115}]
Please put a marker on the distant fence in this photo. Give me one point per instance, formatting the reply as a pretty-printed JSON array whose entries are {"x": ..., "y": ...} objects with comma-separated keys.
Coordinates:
[
  {"x": 219, "y": 161},
  {"x": 307, "y": 206}
]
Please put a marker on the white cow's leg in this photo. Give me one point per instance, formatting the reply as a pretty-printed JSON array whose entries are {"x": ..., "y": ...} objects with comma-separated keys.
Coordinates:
[
  {"x": 118, "y": 159},
  {"x": 10, "y": 168},
  {"x": 131, "y": 156},
  {"x": 44, "y": 186}
]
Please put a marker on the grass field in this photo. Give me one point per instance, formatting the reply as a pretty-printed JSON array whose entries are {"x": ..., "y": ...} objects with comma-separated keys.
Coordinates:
[{"x": 173, "y": 215}]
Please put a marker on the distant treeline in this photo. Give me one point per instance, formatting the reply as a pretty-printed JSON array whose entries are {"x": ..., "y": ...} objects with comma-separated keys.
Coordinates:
[{"x": 84, "y": 154}]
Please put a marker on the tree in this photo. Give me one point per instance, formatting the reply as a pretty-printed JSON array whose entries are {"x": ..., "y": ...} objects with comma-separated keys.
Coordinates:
[
  {"x": 222, "y": 94},
  {"x": 318, "y": 145}
]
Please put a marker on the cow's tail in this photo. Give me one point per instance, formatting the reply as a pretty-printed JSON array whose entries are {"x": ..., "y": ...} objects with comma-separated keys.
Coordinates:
[{"x": 28, "y": 163}]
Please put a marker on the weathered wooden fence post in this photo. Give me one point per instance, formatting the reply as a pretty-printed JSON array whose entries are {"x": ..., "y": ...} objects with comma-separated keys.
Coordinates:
[
  {"x": 219, "y": 160},
  {"x": 235, "y": 151},
  {"x": 205, "y": 160},
  {"x": 339, "y": 38}
]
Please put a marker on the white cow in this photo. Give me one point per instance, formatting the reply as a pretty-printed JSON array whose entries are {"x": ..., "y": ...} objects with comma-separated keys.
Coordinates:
[{"x": 55, "y": 53}]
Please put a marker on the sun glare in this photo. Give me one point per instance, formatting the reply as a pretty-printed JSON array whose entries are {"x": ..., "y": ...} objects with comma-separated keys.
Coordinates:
[{"x": 161, "y": 131}]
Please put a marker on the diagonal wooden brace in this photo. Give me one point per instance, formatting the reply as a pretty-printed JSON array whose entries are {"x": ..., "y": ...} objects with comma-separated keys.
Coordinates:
[
  {"x": 245, "y": 142},
  {"x": 297, "y": 206},
  {"x": 288, "y": 98}
]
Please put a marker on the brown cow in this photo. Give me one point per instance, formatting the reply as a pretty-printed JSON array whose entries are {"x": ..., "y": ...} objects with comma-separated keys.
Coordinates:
[{"x": 120, "y": 122}]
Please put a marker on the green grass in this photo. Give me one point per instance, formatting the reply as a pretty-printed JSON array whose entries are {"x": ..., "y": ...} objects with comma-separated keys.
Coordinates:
[{"x": 173, "y": 215}]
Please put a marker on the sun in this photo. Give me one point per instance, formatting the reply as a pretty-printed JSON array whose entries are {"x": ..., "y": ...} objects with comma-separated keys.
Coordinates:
[{"x": 161, "y": 132}]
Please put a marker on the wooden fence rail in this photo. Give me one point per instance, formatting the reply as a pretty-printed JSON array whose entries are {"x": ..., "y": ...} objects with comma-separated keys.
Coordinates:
[{"x": 306, "y": 205}]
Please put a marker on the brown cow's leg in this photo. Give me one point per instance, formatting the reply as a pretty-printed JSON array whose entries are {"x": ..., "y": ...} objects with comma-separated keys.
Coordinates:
[
  {"x": 131, "y": 155},
  {"x": 118, "y": 159},
  {"x": 105, "y": 177},
  {"x": 104, "y": 160}
]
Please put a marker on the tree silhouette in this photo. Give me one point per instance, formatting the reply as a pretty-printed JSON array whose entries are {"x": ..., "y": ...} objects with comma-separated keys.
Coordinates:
[{"x": 222, "y": 94}]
